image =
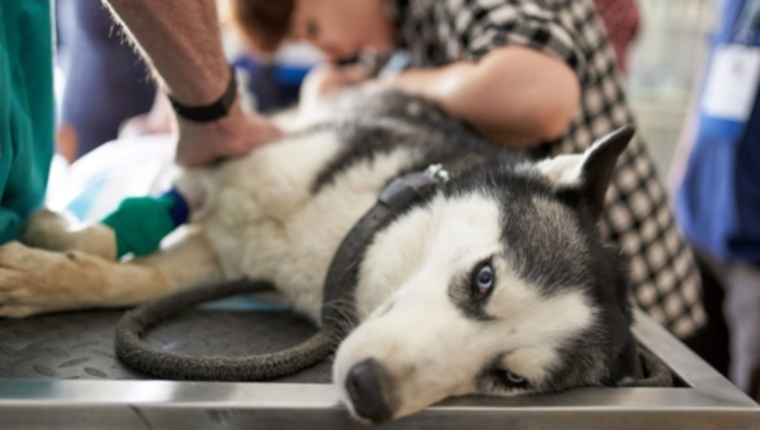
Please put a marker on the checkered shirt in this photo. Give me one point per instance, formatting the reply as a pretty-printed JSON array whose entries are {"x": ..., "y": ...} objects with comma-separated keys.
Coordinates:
[{"x": 664, "y": 277}]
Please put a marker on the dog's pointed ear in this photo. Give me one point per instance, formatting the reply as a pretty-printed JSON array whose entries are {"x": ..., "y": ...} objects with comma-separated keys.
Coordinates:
[
  {"x": 588, "y": 173},
  {"x": 627, "y": 369}
]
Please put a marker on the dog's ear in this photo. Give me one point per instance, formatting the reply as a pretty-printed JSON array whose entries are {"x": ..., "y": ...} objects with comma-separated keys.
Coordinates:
[
  {"x": 588, "y": 174},
  {"x": 627, "y": 368},
  {"x": 637, "y": 367}
]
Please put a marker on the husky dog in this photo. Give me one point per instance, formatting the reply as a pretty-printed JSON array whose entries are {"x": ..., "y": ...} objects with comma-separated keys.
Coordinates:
[{"x": 496, "y": 283}]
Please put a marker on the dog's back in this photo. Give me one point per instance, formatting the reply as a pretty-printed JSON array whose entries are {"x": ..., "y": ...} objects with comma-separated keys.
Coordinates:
[{"x": 281, "y": 212}]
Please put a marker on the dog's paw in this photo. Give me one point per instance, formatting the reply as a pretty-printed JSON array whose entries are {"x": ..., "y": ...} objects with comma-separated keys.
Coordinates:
[
  {"x": 47, "y": 230},
  {"x": 56, "y": 231},
  {"x": 34, "y": 281}
]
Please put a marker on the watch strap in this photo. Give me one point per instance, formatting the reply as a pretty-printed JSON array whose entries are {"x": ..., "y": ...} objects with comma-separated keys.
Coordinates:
[{"x": 210, "y": 112}]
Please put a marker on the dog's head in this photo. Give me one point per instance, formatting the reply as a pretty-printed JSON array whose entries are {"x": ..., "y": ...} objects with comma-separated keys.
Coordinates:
[{"x": 499, "y": 284}]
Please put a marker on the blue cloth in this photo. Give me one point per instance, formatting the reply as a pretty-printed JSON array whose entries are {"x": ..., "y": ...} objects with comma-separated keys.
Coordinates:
[
  {"x": 718, "y": 204},
  {"x": 179, "y": 211}
]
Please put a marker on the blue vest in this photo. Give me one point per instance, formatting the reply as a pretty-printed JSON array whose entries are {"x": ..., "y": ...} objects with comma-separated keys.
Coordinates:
[{"x": 718, "y": 204}]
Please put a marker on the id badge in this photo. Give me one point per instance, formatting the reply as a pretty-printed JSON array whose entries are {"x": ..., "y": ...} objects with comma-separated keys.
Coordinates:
[{"x": 732, "y": 83}]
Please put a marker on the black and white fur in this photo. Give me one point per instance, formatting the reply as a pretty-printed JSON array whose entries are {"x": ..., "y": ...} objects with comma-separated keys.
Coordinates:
[{"x": 498, "y": 283}]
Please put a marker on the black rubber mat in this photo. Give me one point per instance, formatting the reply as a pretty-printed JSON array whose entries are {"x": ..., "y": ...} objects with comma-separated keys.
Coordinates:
[{"x": 79, "y": 345}]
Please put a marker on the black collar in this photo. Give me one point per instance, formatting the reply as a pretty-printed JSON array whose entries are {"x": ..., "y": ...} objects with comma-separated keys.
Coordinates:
[{"x": 342, "y": 277}]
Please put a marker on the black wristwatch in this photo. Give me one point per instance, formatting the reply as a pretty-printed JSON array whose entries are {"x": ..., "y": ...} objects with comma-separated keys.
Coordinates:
[{"x": 213, "y": 111}]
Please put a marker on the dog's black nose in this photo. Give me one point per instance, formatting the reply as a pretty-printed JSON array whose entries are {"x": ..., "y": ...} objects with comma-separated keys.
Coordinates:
[{"x": 364, "y": 384}]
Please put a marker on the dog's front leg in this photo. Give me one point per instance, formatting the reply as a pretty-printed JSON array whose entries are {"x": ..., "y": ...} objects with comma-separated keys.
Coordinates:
[
  {"x": 55, "y": 232},
  {"x": 34, "y": 281}
]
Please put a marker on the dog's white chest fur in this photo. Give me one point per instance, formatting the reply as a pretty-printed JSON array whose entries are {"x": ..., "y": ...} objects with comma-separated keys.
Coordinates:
[{"x": 265, "y": 222}]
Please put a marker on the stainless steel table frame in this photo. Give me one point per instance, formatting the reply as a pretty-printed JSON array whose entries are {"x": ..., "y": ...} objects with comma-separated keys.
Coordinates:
[{"x": 705, "y": 400}]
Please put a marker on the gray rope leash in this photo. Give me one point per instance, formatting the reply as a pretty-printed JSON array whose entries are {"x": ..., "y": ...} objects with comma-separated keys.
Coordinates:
[{"x": 136, "y": 353}]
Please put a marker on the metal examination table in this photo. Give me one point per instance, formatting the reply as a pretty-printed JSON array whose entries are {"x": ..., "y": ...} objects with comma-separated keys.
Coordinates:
[{"x": 59, "y": 372}]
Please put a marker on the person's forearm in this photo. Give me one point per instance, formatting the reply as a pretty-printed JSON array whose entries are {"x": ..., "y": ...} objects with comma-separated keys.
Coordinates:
[
  {"x": 182, "y": 42},
  {"x": 180, "y": 38},
  {"x": 515, "y": 96}
]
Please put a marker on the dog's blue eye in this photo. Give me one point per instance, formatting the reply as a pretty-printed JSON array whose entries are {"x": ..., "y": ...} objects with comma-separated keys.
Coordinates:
[
  {"x": 509, "y": 379},
  {"x": 514, "y": 379},
  {"x": 484, "y": 280}
]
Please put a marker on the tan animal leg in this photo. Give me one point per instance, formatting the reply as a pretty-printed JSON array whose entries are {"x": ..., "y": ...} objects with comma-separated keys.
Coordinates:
[
  {"x": 34, "y": 281},
  {"x": 52, "y": 231}
]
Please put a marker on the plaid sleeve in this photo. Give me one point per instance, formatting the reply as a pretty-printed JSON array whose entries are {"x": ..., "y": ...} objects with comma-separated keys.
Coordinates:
[{"x": 483, "y": 25}]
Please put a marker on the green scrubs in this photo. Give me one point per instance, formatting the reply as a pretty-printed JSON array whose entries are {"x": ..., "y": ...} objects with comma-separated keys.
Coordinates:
[{"x": 26, "y": 109}]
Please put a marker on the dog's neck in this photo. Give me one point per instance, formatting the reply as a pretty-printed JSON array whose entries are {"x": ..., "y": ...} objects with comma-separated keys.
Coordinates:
[{"x": 343, "y": 274}]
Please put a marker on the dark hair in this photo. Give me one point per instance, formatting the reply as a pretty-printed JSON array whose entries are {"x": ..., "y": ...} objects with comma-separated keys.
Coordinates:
[{"x": 265, "y": 23}]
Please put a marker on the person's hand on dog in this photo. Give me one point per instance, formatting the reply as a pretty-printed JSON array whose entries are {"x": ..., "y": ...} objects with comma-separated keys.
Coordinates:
[{"x": 233, "y": 135}]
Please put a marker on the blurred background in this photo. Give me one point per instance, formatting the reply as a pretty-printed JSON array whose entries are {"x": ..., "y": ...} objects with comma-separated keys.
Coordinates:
[{"x": 664, "y": 62}]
